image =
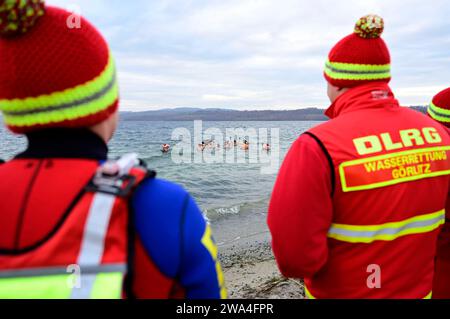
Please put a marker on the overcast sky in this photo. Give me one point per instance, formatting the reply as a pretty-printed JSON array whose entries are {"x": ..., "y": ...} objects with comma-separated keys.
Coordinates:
[{"x": 260, "y": 54}]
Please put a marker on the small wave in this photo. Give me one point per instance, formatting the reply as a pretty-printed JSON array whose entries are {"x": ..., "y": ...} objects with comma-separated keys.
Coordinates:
[
  {"x": 216, "y": 213},
  {"x": 259, "y": 206}
]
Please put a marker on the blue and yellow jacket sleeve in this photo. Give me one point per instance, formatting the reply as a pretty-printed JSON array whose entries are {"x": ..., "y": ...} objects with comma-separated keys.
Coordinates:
[{"x": 178, "y": 242}]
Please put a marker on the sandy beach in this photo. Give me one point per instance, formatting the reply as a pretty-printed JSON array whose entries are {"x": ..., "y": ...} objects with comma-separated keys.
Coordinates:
[{"x": 249, "y": 266}]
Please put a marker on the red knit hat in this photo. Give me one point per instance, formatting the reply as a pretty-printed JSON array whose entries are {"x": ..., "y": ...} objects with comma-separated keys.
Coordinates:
[
  {"x": 439, "y": 108},
  {"x": 52, "y": 73},
  {"x": 360, "y": 57}
]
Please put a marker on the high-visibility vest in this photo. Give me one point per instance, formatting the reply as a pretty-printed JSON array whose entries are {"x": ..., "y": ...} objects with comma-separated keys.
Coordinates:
[
  {"x": 86, "y": 256},
  {"x": 390, "y": 170}
]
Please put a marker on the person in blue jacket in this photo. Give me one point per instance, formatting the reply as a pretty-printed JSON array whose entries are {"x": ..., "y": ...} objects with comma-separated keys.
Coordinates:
[{"x": 58, "y": 87}]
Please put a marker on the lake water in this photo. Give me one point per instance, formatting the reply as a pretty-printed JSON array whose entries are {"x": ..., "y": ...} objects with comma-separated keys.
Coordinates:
[{"x": 222, "y": 190}]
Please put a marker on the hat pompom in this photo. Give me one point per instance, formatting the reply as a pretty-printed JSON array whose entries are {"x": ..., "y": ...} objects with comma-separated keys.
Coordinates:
[
  {"x": 370, "y": 27},
  {"x": 18, "y": 16}
]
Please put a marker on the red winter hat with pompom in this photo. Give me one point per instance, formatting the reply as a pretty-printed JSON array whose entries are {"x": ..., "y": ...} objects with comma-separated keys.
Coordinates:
[
  {"x": 439, "y": 108},
  {"x": 361, "y": 57},
  {"x": 56, "y": 70}
]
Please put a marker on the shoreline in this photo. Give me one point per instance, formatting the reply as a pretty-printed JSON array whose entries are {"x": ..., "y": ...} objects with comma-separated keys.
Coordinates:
[{"x": 251, "y": 271}]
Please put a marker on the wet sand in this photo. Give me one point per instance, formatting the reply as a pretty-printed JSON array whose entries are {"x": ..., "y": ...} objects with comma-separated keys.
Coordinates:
[{"x": 249, "y": 266}]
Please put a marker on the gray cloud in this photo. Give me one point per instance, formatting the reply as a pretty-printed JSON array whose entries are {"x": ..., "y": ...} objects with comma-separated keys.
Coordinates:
[{"x": 255, "y": 54}]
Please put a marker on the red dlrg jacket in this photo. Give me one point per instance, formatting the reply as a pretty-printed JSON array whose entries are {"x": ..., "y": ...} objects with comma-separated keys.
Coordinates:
[{"x": 360, "y": 200}]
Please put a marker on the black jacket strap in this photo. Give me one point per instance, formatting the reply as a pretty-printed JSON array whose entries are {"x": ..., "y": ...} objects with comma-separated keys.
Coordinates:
[{"x": 329, "y": 159}]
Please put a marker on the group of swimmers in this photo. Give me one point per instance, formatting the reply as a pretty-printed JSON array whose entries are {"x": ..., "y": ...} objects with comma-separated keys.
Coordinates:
[
  {"x": 212, "y": 145},
  {"x": 244, "y": 145}
]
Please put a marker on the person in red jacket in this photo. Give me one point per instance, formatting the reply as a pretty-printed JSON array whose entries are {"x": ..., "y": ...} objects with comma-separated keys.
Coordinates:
[
  {"x": 360, "y": 200},
  {"x": 439, "y": 110}
]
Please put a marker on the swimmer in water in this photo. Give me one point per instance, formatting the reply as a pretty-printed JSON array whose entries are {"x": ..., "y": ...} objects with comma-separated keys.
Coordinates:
[
  {"x": 266, "y": 147},
  {"x": 165, "y": 148},
  {"x": 201, "y": 147},
  {"x": 245, "y": 146}
]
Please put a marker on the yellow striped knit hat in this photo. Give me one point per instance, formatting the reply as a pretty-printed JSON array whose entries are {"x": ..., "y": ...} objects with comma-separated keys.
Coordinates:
[
  {"x": 53, "y": 72},
  {"x": 439, "y": 109},
  {"x": 361, "y": 57}
]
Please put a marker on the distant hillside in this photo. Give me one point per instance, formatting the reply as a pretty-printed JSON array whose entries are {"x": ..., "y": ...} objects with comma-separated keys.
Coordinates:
[
  {"x": 422, "y": 109},
  {"x": 191, "y": 114}
]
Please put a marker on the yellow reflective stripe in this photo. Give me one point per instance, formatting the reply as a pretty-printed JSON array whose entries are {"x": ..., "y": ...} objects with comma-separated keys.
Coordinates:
[
  {"x": 386, "y": 237},
  {"x": 429, "y": 296},
  {"x": 107, "y": 286},
  {"x": 439, "y": 109},
  {"x": 359, "y": 67},
  {"x": 49, "y": 287},
  {"x": 308, "y": 294},
  {"x": 393, "y": 224},
  {"x": 361, "y": 77},
  {"x": 208, "y": 242},
  {"x": 221, "y": 279},
  {"x": 348, "y": 71},
  {"x": 67, "y": 114},
  {"x": 346, "y": 188},
  {"x": 438, "y": 113},
  {"x": 67, "y": 96},
  {"x": 389, "y": 231}
]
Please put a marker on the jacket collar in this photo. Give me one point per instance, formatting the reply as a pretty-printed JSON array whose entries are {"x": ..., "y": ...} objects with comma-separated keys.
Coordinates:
[
  {"x": 65, "y": 143},
  {"x": 371, "y": 95}
]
